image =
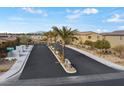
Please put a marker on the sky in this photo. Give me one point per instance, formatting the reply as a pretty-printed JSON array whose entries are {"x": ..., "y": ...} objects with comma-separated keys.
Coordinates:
[{"x": 34, "y": 19}]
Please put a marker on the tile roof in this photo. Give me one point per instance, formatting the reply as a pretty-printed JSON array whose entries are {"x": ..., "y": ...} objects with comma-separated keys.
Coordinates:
[
  {"x": 114, "y": 33},
  {"x": 86, "y": 33}
]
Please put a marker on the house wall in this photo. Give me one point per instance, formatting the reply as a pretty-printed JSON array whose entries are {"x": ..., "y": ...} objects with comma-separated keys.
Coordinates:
[
  {"x": 115, "y": 40},
  {"x": 91, "y": 37}
]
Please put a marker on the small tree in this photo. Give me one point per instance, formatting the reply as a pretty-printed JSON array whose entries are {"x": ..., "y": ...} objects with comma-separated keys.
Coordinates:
[
  {"x": 80, "y": 43},
  {"x": 49, "y": 35},
  {"x": 89, "y": 43},
  {"x": 29, "y": 41},
  {"x": 119, "y": 49},
  {"x": 102, "y": 44},
  {"x": 24, "y": 39}
]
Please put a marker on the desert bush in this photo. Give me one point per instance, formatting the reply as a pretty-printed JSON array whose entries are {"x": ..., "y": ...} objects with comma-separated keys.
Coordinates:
[
  {"x": 4, "y": 69},
  {"x": 25, "y": 40},
  {"x": 80, "y": 43},
  {"x": 89, "y": 43},
  {"x": 119, "y": 49},
  {"x": 103, "y": 45}
]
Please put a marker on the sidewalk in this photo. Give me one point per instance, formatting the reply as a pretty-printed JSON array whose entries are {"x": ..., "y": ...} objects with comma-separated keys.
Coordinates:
[{"x": 21, "y": 54}]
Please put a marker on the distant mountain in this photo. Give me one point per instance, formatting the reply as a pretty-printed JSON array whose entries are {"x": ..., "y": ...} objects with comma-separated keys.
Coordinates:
[{"x": 39, "y": 32}]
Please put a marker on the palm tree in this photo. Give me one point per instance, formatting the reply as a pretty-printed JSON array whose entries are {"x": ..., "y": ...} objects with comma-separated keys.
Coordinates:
[
  {"x": 49, "y": 35},
  {"x": 54, "y": 35},
  {"x": 67, "y": 35},
  {"x": 46, "y": 34}
]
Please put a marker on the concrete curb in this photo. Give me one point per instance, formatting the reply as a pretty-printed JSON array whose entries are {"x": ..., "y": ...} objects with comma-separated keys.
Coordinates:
[
  {"x": 100, "y": 60},
  {"x": 16, "y": 69},
  {"x": 60, "y": 62}
]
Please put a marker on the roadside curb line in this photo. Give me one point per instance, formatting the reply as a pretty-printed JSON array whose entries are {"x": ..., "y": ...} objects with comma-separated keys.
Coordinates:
[
  {"x": 98, "y": 59},
  {"x": 60, "y": 62},
  {"x": 5, "y": 77},
  {"x": 84, "y": 79}
]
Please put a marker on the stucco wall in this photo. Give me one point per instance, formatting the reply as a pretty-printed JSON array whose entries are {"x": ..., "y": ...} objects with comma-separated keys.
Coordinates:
[
  {"x": 83, "y": 38},
  {"x": 115, "y": 40}
]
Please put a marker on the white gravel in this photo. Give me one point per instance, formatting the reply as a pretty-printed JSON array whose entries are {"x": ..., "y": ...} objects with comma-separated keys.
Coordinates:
[{"x": 17, "y": 68}]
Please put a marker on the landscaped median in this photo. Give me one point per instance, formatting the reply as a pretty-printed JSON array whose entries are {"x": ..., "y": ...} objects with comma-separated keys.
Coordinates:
[{"x": 67, "y": 66}]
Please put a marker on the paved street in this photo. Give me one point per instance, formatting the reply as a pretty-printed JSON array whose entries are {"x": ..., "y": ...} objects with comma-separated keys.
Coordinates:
[
  {"x": 42, "y": 65},
  {"x": 42, "y": 68},
  {"x": 115, "y": 82},
  {"x": 86, "y": 65}
]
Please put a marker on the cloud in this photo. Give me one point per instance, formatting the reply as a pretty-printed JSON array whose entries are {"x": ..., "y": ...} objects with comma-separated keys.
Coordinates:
[
  {"x": 75, "y": 14},
  {"x": 121, "y": 27},
  {"x": 90, "y": 11},
  {"x": 73, "y": 11},
  {"x": 3, "y": 31},
  {"x": 68, "y": 10},
  {"x": 35, "y": 11},
  {"x": 15, "y": 18},
  {"x": 101, "y": 30},
  {"x": 116, "y": 18}
]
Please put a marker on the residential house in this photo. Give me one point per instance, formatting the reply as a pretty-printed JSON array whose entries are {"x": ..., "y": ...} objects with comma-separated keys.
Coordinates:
[
  {"x": 115, "y": 38},
  {"x": 89, "y": 35}
]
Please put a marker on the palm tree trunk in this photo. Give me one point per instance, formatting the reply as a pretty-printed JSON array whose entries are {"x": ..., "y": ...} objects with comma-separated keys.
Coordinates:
[
  {"x": 55, "y": 44},
  {"x": 63, "y": 52}
]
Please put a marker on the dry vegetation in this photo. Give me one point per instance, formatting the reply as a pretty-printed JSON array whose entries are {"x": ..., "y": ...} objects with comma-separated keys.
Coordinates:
[
  {"x": 5, "y": 65},
  {"x": 116, "y": 55}
]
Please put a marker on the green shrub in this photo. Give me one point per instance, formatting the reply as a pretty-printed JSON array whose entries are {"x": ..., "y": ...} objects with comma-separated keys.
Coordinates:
[
  {"x": 102, "y": 44},
  {"x": 89, "y": 43}
]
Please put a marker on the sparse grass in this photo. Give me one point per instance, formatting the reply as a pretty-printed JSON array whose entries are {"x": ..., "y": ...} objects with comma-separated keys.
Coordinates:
[{"x": 6, "y": 67}]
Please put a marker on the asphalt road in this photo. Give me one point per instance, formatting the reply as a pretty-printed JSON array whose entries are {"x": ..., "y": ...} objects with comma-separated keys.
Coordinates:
[
  {"x": 43, "y": 64},
  {"x": 84, "y": 64},
  {"x": 115, "y": 82},
  {"x": 42, "y": 68}
]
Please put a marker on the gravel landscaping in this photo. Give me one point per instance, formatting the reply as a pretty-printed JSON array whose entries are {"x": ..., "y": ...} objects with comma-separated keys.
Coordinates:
[{"x": 66, "y": 64}]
